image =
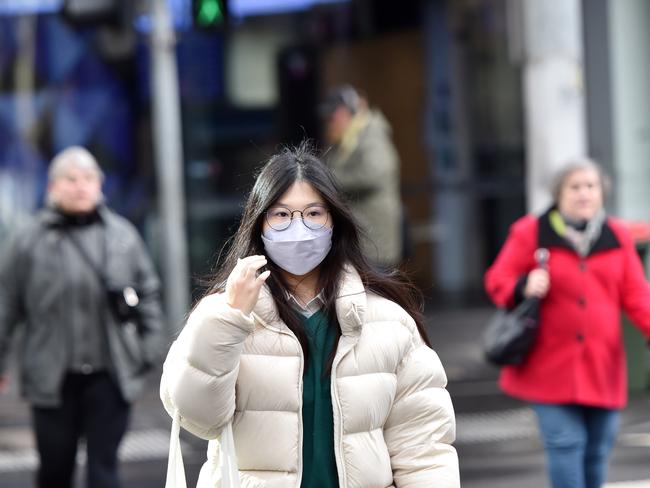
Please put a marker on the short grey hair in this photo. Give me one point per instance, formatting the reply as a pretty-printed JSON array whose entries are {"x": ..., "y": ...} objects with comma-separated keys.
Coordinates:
[
  {"x": 73, "y": 157},
  {"x": 560, "y": 177}
]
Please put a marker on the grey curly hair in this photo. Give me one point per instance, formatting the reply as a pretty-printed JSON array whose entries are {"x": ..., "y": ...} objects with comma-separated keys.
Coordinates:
[
  {"x": 560, "y": 177},
  {"x": 72, "y": 157}
]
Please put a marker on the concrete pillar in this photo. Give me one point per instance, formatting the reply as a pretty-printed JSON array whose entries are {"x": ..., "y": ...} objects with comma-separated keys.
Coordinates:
[
  {"x": 629, "y": 24},
  {"x": 553, "y": 90},
  {"x": 168, "y": 150}
]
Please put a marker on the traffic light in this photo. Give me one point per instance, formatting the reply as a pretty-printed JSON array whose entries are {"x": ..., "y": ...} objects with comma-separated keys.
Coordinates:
[{"x": 209, "y": 13}]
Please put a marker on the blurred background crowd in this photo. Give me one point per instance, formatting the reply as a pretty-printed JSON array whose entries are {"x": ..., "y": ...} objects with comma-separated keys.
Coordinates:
[
  {"x": 180, "y": 100},
  {"x": 485, "y": 99}
]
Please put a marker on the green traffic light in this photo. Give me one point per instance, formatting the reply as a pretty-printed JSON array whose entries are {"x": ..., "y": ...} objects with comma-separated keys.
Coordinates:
[{"x": 209, "y": 12}]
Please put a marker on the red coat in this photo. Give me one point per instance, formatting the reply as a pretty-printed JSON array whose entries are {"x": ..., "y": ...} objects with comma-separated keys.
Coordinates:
[{"x": 578, "y": 356}]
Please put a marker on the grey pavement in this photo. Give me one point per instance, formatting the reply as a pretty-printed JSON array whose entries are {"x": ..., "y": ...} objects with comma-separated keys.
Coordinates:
[{"x": 496, "y": 436}]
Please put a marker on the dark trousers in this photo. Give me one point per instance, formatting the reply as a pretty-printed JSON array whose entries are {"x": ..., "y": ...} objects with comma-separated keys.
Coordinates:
[{"x": 93, "y": 409}]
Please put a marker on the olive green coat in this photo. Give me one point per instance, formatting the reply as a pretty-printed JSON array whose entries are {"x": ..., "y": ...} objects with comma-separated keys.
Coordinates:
[{"x": 367, "y": 167}]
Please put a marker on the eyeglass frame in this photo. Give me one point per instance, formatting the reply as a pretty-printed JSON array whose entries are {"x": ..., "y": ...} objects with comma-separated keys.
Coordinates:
[{"x": 302, "y": 217}]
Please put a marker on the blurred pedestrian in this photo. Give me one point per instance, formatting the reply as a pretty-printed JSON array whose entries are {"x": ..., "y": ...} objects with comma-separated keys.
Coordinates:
[
  {"x": 575, "y": 375},
  {"x": 320, "y": 362},
  {"x": 80, "y": 366},
  {"x": 365, "y": 161}
]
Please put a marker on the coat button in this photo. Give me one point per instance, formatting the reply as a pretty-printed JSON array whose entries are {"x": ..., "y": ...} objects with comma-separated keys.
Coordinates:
[
  {"x": 582, "y": 266},
  {"x": 580, "y": 337},
  {"x": 582, "y": 302}
]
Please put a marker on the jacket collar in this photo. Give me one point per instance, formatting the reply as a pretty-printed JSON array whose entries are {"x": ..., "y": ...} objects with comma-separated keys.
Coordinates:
[
  {"x": 547, "y": 237},
  {"x": 350, "y": 305},
  {"x": 51, "y": 217}
]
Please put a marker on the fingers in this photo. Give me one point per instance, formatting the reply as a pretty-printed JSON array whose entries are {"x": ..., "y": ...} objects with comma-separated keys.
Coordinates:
[
  {"x": 250, "y": 259},
  {"x": 539, "y": 276},
  {"x": 541, "y": 281},
  {"x": 538, "y": 291},
  {"x": 537, "y": 283},
  {"x": 250, "y": 264},
  {"x": 263, "y": 276},
  {"x": 244, "y": 284}
]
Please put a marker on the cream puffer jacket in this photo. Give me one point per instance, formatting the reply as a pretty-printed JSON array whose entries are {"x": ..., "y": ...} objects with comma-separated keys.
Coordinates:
[{"x": 393, "y": 418}]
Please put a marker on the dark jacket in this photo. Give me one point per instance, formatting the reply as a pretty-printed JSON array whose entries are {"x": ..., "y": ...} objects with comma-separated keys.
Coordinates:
[
  {"x": 34, "y": 294},
  {"x": 578, "y": 357}
]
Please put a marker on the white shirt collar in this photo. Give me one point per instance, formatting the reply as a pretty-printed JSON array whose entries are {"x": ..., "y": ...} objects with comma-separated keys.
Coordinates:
[{"x": 308, "y": 309}]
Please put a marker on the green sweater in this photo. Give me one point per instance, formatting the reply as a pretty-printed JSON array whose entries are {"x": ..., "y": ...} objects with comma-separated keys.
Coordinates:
[{"x": 319, "y": 464}]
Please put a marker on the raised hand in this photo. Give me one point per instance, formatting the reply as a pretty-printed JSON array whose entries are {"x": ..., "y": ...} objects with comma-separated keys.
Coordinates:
[{"x": 244, "y": 284}]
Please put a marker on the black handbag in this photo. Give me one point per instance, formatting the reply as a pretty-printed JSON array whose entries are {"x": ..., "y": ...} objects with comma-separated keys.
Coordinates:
[
  {"x": 123, "y": 302},
  {"x": 510, "y": 334}
]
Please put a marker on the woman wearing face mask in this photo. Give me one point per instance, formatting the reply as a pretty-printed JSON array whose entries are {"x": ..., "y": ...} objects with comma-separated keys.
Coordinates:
[
  {"x": 575, "y": 376},
  {"x": 321, "y": 363}
]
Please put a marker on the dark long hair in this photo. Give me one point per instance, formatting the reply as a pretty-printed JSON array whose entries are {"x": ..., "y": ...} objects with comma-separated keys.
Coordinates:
[{"x": 273, "y": 180}]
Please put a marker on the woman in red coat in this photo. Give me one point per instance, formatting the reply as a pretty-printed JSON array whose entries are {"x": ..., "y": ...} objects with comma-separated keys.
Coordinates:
[{"x": 575, "y": 376}]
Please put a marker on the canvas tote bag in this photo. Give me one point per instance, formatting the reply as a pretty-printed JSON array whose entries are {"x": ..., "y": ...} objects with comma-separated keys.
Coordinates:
[{"x": 226, "y": 477}]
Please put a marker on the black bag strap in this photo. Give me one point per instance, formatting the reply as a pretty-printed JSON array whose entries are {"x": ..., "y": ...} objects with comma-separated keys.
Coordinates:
[{"x": 84, "y": 254}]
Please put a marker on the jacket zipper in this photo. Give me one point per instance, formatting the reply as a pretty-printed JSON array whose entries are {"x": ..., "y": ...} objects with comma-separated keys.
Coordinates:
[{"x": 338, "y": 416}]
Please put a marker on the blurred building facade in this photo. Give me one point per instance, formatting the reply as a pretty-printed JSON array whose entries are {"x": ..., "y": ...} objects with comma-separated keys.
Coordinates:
[{"x": 485, "y": 98}]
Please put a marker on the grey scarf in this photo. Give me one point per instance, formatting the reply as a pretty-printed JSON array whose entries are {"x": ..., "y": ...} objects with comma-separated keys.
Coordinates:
[{"x": 583, "y": 240}]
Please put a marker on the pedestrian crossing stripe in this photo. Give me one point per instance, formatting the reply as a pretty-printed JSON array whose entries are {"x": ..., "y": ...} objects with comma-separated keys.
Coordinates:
[
  {"x": 138, "y": 445},
  {"x": 629, "y": 484},
  {"x": 496, "y": 426}
]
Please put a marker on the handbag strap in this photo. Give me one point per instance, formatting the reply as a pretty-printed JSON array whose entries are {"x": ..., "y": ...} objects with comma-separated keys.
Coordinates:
[
  {"x": 229, "y": 468},
  {"x": 86, "y": 257},
  {"x": 175, "y": 467}
]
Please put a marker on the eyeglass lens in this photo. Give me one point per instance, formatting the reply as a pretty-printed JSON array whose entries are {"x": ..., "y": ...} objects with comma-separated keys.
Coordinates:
[{"x": 314, "y": 217}]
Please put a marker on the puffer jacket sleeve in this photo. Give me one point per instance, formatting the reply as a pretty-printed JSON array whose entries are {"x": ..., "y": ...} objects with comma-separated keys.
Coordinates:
[
  {"x": 201, "y": 368},
  {"x": 421, "y": 426}
]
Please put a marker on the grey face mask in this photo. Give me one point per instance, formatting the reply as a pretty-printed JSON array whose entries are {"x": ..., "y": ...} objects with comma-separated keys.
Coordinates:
[{"x": 297, "y": 249}]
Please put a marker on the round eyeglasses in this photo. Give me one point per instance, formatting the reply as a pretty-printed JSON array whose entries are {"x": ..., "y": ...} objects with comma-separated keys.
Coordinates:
[{"x": 313, "y": 217}]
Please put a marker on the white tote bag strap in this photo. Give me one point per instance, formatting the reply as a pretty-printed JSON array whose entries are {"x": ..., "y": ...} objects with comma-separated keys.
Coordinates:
[
  {"x": 175, "y": 467},
  {"x": 229, "y": 468}
]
